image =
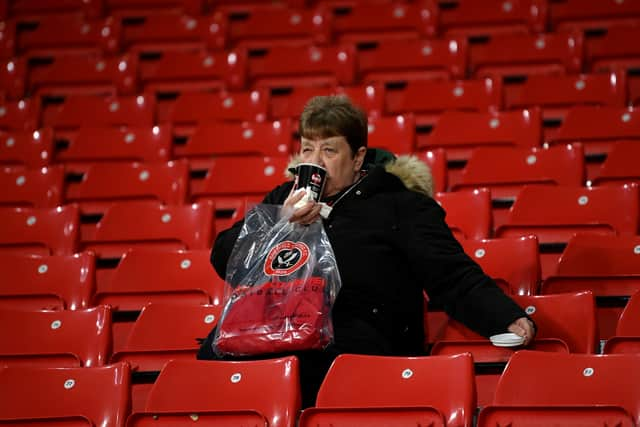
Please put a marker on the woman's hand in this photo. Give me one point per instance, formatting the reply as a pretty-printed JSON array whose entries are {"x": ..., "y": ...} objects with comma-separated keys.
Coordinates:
[
  {"x": 305, "y": 214},
  {"x": 523, "y": 327}
]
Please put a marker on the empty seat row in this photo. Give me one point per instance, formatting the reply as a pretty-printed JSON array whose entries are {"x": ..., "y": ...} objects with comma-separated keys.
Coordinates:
[{"x": 561, "y": 388}]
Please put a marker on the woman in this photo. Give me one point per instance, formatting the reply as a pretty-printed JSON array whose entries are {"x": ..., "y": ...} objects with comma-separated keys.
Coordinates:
[{"x": 391, "y": 242}]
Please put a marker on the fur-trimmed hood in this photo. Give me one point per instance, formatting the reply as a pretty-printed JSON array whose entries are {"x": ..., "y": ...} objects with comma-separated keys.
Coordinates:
[{"x": 413, "y": 172}]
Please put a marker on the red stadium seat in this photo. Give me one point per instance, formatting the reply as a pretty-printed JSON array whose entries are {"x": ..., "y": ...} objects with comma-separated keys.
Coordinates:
[
  {"x": 36, "y": 188},
  {"x": 47, "y": 282},
  {"x": 505, "y": 170},
  {"x": 78, "y": 111},
  {"x": 259, "y": 176},
  {"x": 606, "y": 265},
  {"x": 28, "y": 149},
  {"x": 398, "y": 61},
  {"x": 627, "y": 336},
  {"x": 151, "y": 276},
  {"x": 64, "y": 338},
  {"x": 71, "y": 396},
  {"x": 40, "y": 231},
  {"x": 126, "y": 8},
  {"x": 458, "y": 205},
  {"x": 461, "y": 95},
  {"x": 111, "y": 144},
  {"x": 290, "y": 103},
  {"x": 258, "y": 392},
  {"x": 193, "y": 108},
  {"x": 556, "y": 213},
  {"x": 163, "y": 332},
  {"x": 155, "y": 33},
  {"x": 564, "y": 322},
  {"x": 367, "y": 22},
  {"x": 556, "y": 94},
  {"x": 13, "y": 76},
  {"x": 597, "y": 128},
  {"x": 29, "y": 8},
  {"x": 565, "y": 389},
  {"x": 620, "y": 165},
  {"x": 84, "y": 74},
  {"x": 22, "y": 115},
  {"x": 104, "y": 184},
  {"x": 574, "y": 14},
  {"x": 149, "y": 225},
  {"x": 379, "y": 390},
  {"x": 519, "y": 55},
  {"x": 437, "y": 162},
  {"x": 55, "y": 35},
  {"x": 276, "y": 25},
  {"x": 314, "y": 66},
  {"x": 396, "y": 134},
  {"x": 183, "y": 71},
  {"x": 213, "y": 139},
  {"x": 472, "y": 19}
]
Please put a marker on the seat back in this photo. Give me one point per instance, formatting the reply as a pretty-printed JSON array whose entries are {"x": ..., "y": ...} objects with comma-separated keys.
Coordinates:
[
  {"x": 521, "y": 277},
  {"x": 31, "y": 149},
  {"x": 620, "y": 167},
  {"x": 194, "y": 108},
  {"x": 402, "y": 382},
  {"x": 269, "y": 388},
  {"x": 71, "y": 395},
  {"x": 542, "y": 381},
  {"x": 55, "y": 282},
  {"x": 22, "y": 115},
  {"x": 627, "y": 335},
  {"x": 146, "y": 276},
  {"x": 56, "y": 338},
  {"x": 394, "y": 133},
  {"x": 458, "y": 205},
  {"x": 573, "y": 14},
  {"x": 37, "y": 188},
  {"x": 44, "y": 231}
]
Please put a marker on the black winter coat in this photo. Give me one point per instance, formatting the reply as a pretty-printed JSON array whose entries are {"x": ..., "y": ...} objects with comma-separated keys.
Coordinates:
[{"x": 392, "y": 243}]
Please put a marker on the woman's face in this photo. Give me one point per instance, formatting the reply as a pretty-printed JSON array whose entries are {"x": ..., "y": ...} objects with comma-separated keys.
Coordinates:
[{"x": 334, "y": 154}]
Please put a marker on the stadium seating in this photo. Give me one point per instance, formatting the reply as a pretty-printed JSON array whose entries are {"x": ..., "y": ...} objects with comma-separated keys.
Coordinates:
[
  {"x": 51, "y": 282},
  {"x": 28, "y": 8},
  {"x": 401, "y": 392},
  {"x": 78, "y": 111},
  {"x": 437, "y": 162},
  {"x": 83, "y": 74},
  {"x": 193, "y": 108},
  {"x": 276, "y": 25},
  {"x": 574, "y": 14},
  {"x": 62, "y": 34},
  {"x": 568, "y": 389},
  {"x": 314, "y": 66},
  {"x": 153, "y": 33},
  {"x": 13, "y": 75},
  {"x": 71, "y": 395},
  {"x": 512, "y": 56},
  {"x": 375, "y": 21},
  {"x": 104, "y": 184},
  {"x": 112, "y": 144},
  {"x": 565, "y": 323},
  {"x": 620, "y": 166},
  {"x": 475, "y": 20},
  {"x": 457, "y": 205},
  {"x": 399, "y": 61},
  {"x": 556, "y": 213},
  {"x": 394, "y": 133},
  {"x": 259, "y": 392},
  {"x": 40, "y": 231},
  {"x": 606, "y": 265},
  {"x": 213, "y": 139},
  {"x": 67, "y": 338},
  {"x": 126, "y": 8},
  {"x": 627, "y": 336},
  {"x": 558, "y": 165},
  {"x": 163, "y": 332},
  {"x": 26, "y": 149},
  {"x": 22, "y": 115},
  {"x": 36, "y": 188}
]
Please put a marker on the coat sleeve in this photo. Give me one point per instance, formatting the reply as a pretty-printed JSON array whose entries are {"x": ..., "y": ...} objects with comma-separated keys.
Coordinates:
[
  {"x": 225, "y": 240},
  {"x": 449, "y": 276}
]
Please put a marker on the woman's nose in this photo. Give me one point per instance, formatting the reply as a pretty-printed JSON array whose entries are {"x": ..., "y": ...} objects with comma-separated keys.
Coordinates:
[{"x": 317, "y": 159}]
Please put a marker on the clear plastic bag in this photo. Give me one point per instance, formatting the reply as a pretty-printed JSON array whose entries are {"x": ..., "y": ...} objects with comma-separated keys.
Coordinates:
[{"x": 282, "y": 281}]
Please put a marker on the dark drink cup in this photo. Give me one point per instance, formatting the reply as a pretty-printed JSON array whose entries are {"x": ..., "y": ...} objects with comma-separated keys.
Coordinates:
[{"x": 312, "y": 178}]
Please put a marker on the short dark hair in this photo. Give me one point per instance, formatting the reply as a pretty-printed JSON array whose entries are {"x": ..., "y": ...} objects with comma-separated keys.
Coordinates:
[{"x": 334, "y": 115}]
